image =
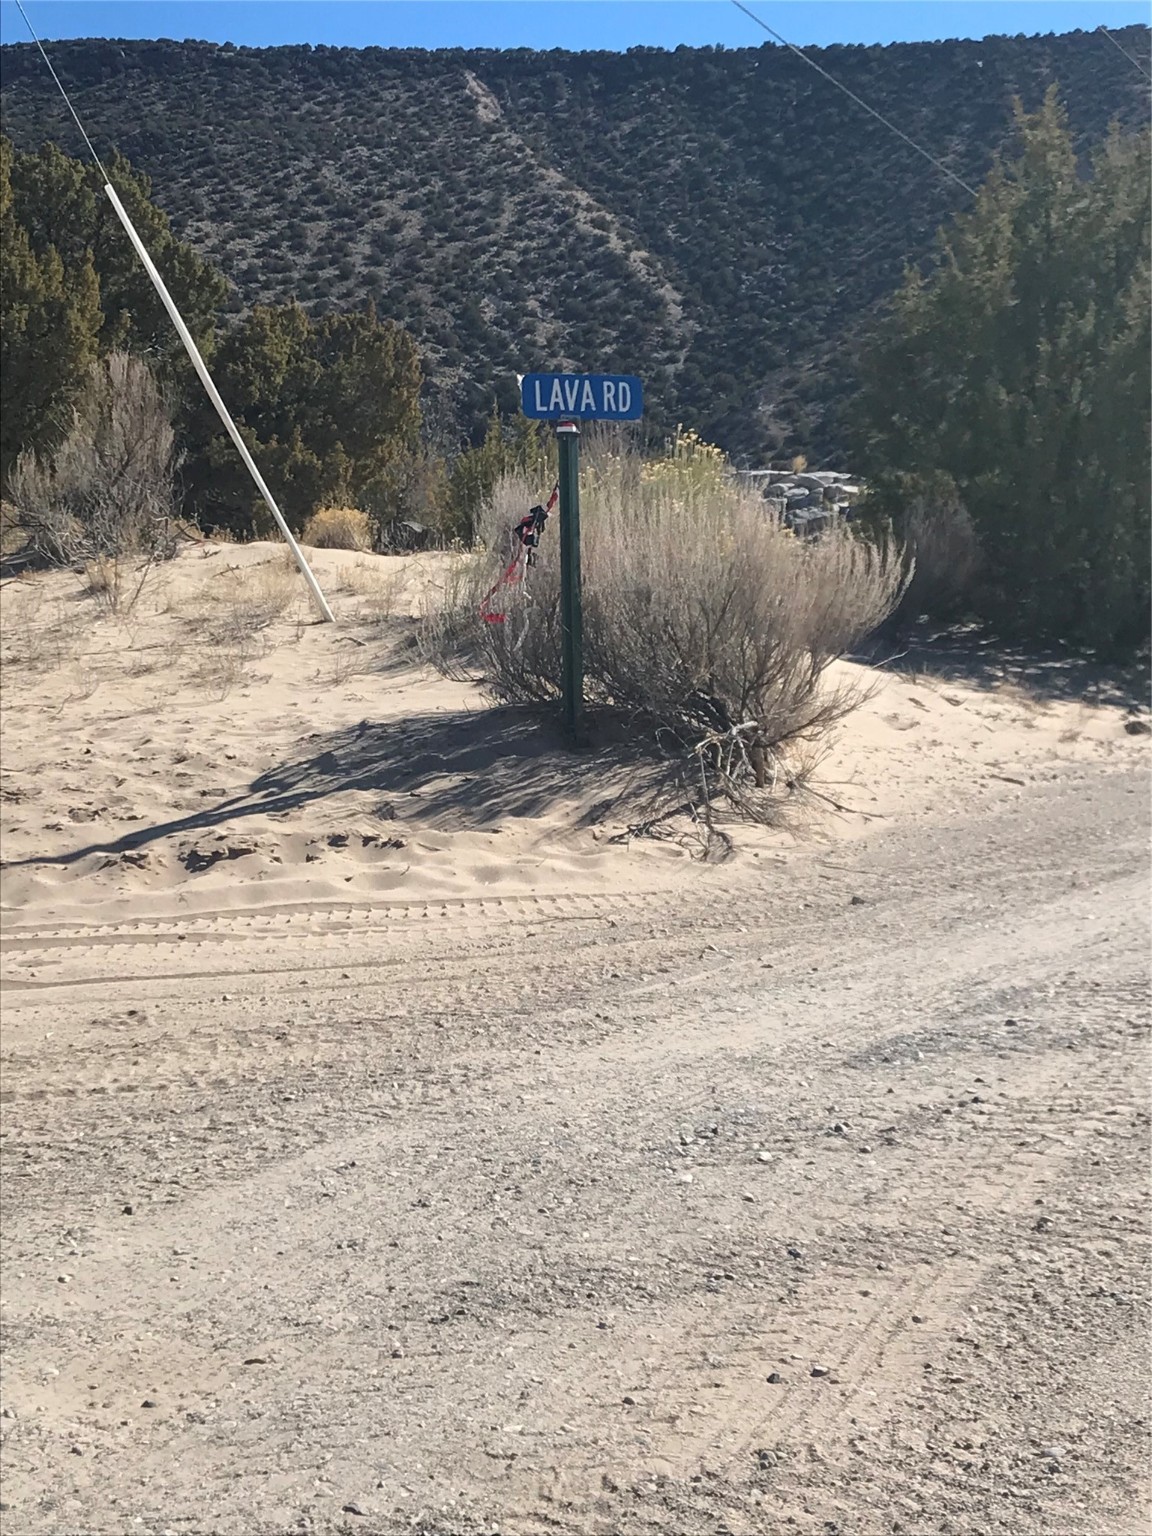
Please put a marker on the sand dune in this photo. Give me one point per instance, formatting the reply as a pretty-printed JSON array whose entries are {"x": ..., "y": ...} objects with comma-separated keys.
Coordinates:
[{"x": 215, "y": 750}]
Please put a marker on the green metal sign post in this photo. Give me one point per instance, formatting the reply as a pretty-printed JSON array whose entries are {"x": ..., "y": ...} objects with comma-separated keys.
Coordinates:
[
  {"x": 571, "y": 600},
  {"x": 568, "y": 398}
]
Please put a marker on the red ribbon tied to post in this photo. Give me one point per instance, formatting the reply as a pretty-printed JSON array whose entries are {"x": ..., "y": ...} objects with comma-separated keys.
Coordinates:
[{"x": 525, "y": 538}]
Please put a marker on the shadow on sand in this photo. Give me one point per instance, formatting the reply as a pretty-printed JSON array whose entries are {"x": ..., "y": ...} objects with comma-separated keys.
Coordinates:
[
  {"x": 966, "y": 654},
  {"x": 461, "y": 767},
  {"x": 475, "y": 767}
]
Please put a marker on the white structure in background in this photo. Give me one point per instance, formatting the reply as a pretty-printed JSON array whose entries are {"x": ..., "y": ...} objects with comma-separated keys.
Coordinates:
[{"x": 807, "y": 501}]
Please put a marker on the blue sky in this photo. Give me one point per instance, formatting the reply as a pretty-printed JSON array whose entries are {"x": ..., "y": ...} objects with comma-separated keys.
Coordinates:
[{"x": 576, "y": 24}]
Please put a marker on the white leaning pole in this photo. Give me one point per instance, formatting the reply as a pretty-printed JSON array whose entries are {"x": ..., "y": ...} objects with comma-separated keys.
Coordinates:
[{"x": 214, "y": 395}]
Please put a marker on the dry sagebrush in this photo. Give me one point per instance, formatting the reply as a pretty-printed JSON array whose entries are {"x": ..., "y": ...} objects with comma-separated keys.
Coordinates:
[
  {"x": 106, "y": 494},
  {"x": 707, "y": 625},
  {"x": 338, "y": 528},
  {"x": 941, "y": 537}
]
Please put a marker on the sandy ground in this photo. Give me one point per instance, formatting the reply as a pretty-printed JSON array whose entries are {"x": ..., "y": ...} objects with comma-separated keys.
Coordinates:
[{"x": 390, "y": 1145}]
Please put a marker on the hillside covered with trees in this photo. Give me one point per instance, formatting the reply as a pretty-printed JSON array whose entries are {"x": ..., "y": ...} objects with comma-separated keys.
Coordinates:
[{"x": 722, "y": 222}]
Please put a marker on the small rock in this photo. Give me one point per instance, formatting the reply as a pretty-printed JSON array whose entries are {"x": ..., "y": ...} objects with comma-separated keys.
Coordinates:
[
  {"x": 839, "y": 1129},
  {"x": 256, "y": 1360},
  {"x": 128, "y": 1210},
  {"x": 774, "y": 1378},
  {"x": 630, "y": 1402},
  {"x": 764, "y": 1157},
  {"x": 765, "y": 1458},
  {"x": 749, "y": 1196},
  {"x": 1138, "y": 727},
  {"x": 397, "y": 1353},
  {"x": 75, "y": 1450},
  {"x": 916, "y": 1318},
  {"x": 149, "y": 1402},
  {"x": 857, "y": 901},
  {"x": 819, "y": 1370},
  {"x": 795, "y": 1253},
  {"x": 63, "y": 1279},
  {"x": 352, "y": 1509}
]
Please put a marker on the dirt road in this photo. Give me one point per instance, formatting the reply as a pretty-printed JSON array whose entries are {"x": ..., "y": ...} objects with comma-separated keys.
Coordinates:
[{"x": 810, "y": 1199}]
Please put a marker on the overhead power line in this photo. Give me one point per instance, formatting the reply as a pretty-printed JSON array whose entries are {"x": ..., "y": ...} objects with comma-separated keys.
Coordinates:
[
  {"x": 60, "y": 88},
  {"x": 189, "y": 343},
  {"x": 872, "y": 112},
  {"x": 1124, "y": 51}
]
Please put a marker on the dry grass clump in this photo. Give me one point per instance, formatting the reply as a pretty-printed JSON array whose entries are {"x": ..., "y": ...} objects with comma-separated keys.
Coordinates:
[
  {"x": 232, "y": 613},
  {"x": 338, "y": 528},
  {"x": 707, "y": 626},
  {"x": 382, "y": 581},
  {"x": 40, "y": 634},
  {"x": 104, "y": 499},
  {"x": 243, "y": 600}
]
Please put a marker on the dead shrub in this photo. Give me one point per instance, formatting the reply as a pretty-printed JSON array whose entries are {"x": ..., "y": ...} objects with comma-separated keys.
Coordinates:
[
  {"x": 105, "y": 497},
  {"x": 338, "y": 528},
  {"x": 12, "y": 536},
  {"x": 940, "y": 536},
  {"x": 926, "y": 515},
  {"x": 706, "y": 624}
]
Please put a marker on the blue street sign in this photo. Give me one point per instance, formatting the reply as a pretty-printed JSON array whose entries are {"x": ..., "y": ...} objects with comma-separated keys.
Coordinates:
[{"x": 581, "y": 397}]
